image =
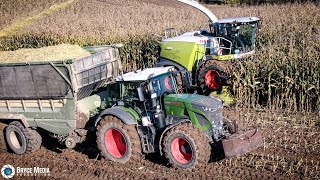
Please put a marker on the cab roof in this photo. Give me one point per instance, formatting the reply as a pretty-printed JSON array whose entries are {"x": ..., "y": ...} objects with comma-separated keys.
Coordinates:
[
  {"x": 145, "y": 74},
  {"x": 239, "y": 20}
]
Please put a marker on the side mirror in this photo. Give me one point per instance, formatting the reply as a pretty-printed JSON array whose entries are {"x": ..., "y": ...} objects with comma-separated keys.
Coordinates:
[{"x": 141, "y": 94}]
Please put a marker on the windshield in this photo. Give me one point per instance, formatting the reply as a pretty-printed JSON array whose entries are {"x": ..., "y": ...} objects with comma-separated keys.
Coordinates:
[
  {"x": 129, "y": 90},
  {"x": 246, "y": 36},
  {"x": 242, "y": 35}
]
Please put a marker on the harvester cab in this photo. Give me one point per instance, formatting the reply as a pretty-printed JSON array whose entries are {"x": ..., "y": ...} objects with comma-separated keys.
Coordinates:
[
  {"x": 233, "y": 36},
  {"x": 150, "y": 116},
  {"x": 204, "y": 55}
]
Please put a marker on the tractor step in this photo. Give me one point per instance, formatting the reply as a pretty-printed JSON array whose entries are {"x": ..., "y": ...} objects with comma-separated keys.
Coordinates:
[{"x": 242, "y": 142}]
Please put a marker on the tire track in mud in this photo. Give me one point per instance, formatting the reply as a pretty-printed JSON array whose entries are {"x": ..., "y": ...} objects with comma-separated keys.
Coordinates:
[
  {"x": 70, "y": 164},
  {"x": 83, "y": 163}
]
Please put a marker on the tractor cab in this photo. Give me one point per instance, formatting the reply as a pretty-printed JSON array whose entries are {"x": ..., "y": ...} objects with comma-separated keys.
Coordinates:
[
  {"x": 144, "y": 90},
  {"x": 138, "y": 84}
]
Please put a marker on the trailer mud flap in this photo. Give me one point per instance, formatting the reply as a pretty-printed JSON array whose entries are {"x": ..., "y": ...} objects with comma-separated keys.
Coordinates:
[{"x": 242, "y": 142}]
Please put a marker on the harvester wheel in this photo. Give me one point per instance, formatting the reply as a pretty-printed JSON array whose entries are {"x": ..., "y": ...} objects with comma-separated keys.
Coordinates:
[
  {"x": 186, "y": 147},
  {"x": 212, "y": 76},
  {"x": 3, "y": 144},
  {"x": 179, "y": 83},
  {"x": 22, "y": 140},
  {"x": 117, "y": 141}
]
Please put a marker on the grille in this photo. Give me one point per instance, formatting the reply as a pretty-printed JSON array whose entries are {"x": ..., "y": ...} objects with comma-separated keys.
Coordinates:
[{"x": 212, "y": 108}]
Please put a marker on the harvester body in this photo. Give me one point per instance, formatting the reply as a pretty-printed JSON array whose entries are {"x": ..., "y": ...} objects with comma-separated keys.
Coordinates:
[{"x": 204, "y": 55}]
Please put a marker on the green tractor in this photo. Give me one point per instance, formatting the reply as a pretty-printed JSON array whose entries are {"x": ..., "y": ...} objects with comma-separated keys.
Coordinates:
[
  {"x": 204, "y": 56},
  {"x": 147, "y": 115}
]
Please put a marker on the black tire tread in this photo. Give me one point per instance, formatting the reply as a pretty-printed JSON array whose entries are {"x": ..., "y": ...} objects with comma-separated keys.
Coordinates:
[
  {"x": 3, "y": 144},
  {"x": 202, "y": 146},
  {"x": 179, "y": 82},
  {"x": 33, "y": 138},
  {"x": 202, "y": 89},
  {"x": 136, "y": 154}
]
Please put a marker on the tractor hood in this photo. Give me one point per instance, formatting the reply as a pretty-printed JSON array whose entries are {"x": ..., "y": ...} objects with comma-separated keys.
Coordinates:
[
  {"x": 205, "y": 112},
  {"x": 194, "y": 98},
  {"x": 208, "y": 109}
]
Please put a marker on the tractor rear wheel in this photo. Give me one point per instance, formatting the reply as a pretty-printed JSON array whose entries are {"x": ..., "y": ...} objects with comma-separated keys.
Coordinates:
[
  {"x": 186, "y": 147},
  {"x": 212, "y": 76},
  {"x": 22, "y": 140},
  {"x": 3, "y": 144},
  {"x": 117, "y": 141}
]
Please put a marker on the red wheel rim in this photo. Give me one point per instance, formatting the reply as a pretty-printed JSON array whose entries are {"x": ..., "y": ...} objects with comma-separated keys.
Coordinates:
[
  {"x": 115, "y": 143},
  {"x": 213, "y": 80},
  {"x": 181, "y": 150},
  {"x": 167, "y": 83}
]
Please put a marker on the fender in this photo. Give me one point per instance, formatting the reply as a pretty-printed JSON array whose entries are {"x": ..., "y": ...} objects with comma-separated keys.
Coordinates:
[
  {"x": 168, "y": 128},
  {"x": 120, "y": 113},
  {"x": 165, "y": 62},
  {"x": 13, "y": 117}
]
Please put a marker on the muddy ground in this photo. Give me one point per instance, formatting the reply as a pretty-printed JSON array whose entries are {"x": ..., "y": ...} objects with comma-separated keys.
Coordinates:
[{"x": 289, "y": 152}]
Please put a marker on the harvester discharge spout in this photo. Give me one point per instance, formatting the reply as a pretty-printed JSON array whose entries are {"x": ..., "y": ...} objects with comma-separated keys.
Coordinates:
[{"x": 203, "y": 9}]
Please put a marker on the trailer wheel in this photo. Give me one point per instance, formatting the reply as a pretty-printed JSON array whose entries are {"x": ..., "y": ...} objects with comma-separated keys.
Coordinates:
[
  {"x": 117, "y": 141},
  {"x": 22, "y": 140},
  {"x": 212, "y": 76},
  {"x": 186, "y": 147},
  {"x": 3, "y": 144}
]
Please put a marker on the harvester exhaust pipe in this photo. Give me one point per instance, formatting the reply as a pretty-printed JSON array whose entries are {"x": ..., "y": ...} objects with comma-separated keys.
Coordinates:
[{"x": 213, "y": 18}]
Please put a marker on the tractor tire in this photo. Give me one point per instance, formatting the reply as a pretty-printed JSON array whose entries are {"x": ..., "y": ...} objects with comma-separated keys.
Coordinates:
[
  {"x": 186, "y": 147},
  {"x": 3, "y": 144},
  {"x": 117, "y": 141},
  {"x": 179, "y": 83},
  {"x": 212, "y": 76},
  {"x": 22, "y": 140}
]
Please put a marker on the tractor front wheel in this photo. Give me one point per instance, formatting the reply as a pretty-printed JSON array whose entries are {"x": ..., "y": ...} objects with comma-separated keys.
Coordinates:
[
  {"x": 186, "y": 147},
  {"x": 117, "y": 141},
  {"x": 211, "y": 76}
]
